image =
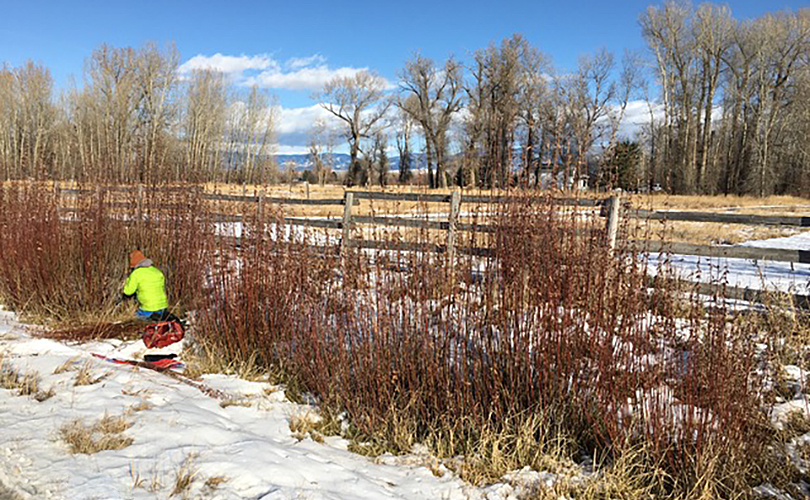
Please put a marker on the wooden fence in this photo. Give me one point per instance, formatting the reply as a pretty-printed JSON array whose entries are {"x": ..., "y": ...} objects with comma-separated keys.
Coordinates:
[{"x": 613, "y": 211}]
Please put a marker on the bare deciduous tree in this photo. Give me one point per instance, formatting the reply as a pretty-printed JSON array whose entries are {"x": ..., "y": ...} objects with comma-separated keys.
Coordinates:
[
  {"x": 359, "y": 101},
  {"x": 431, "y": 96}
]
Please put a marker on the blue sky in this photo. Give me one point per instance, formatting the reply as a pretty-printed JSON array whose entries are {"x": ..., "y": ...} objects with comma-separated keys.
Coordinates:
[{"x": 296, "y": 44}]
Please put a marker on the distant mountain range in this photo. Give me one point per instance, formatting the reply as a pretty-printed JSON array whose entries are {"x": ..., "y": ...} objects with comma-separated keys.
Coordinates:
[{"x": 340, "y": 161}]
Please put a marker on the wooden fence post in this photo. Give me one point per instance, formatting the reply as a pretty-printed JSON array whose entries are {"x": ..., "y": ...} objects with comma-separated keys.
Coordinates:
[
  {"x": 348, "y": 201},
  {"x": 455, "y": 204},
  {"x": 139, "y": 205},
  {"x": 612, "y": 230},
  {"x": 260, "y": 209}
]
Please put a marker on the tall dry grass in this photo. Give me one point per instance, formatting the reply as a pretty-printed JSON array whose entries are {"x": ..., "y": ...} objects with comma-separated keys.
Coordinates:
[
  {"x": 548, "y": 344},
  {"x": 70, "y": 265},
  {"x": 541, "y": 348}
]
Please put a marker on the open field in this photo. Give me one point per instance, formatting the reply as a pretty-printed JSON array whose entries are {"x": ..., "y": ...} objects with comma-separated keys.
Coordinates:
[{"x": 787, "y": 205}]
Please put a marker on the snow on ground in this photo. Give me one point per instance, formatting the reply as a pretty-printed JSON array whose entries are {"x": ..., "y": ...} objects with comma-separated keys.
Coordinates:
[
  {"x": 250, "y": 448},
  {"x": 741, "y": 273},
  {"x": 746, "y": 273},
  {"x": 799, "y": 241},
  {"x": 312, "y": 236}
]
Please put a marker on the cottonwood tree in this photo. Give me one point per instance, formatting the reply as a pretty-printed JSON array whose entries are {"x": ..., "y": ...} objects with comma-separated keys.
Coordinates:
[
  {"x": 752, "y": 66},
  {"x": 250, "y": 133},
  {"x": 158, "y": 107},
  {"x": 204, "y": 122},
  {"x": 359, "y": 101},
  {"x": 533, "y": 97},
  {"x": 494, "y": 106},
  {"x": 27, "y": 119},
  {"x": 403, "y": 139},
  {"x": 713, "y": 27},
  {"x": 318, "y": 140},
  {"x": 784, "y": 49},
  {"x": 629, "y": 83},
  {"x": 108, "y": 109},
  {"x": 378, "y": 159},
  {"x": 431, "y": 96},
  {"x": 667, "y": 32},
  {"x": 592, "y": 92}
]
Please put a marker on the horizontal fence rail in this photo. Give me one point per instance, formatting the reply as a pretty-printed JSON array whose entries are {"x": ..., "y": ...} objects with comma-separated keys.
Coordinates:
[
  {"x": 751, "y": 294},
  {"x": 274, "y": 200},
  {"x": 728, "y": 252},
  {"x": 451, "y": 225},
  {"x": 758, "y": 220}
]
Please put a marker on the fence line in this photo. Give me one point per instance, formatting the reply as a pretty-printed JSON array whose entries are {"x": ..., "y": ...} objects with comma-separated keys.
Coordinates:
[
  {"x": 756, "y": 220},
  {"x": 612, "y": 212},
  {"x": 728, "y": 252}
]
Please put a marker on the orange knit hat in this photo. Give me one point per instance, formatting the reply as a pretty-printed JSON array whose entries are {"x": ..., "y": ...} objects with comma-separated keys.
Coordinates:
[{"x": 135, "y": 258}]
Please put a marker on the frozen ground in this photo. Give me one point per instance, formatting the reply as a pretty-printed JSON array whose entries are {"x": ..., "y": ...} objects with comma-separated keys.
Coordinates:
[
  {"x": 744, "y": 273},
  {"x": 234, "y": 451}
]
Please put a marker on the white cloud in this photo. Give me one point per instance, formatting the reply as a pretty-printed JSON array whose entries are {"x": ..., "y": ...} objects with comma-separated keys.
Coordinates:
[
  {"x": 303, "y": 62},
  {"x": 636, "y": 115},
  {"x": 300, "y": 79},
  {"x": 228, "y": 64},
  {"x": 297, "y": 73},
  {"x": 283, "y": 149},
  {"x": 301, "y": 120}
]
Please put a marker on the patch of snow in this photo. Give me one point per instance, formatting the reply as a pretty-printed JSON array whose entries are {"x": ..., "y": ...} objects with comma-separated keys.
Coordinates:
[
  {"x": 770, "y": 491},
  {"x": 250, "y": 447},
  {"x": 799, "y": 241},
  {"x": 742, "y": 273}
]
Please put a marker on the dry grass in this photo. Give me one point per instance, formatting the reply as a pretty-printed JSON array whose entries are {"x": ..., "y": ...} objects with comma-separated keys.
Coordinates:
[
  {"x": 9, "y": 377},
  {"x": 43, "y": 395},
  {"x": 214, "y": 482},
  {"x": 205, "y": 358},
  {"x": 716, "y": 233},
  {"x": 244, "y": 403},
  {"x": 331, "y": 192},
  {"x": 144, "y": 405},
  {"x": 524, "y": 442},
  {"x": 314, "y": 424},
  {"x": 304, "y": 423},
  {"x": 27, "y": 384},
  {"x": 632, "y": 475},
  {"x": 698, "y": 233},
  {"x": 67, "y": 365},
  {"x": 796, "y": 423},
  {"x": 85, "y": 376},
  {"x": 185, "y": 476},
  {"x": 803, "y": 449},
  {"x": 707, "y": 233},
  {"x": 106, "y": 434},
  {"x": 787, "y": 205}
]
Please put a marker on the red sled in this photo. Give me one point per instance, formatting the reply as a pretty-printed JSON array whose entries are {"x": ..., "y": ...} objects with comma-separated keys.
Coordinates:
[{"x": 162, "y": 334}]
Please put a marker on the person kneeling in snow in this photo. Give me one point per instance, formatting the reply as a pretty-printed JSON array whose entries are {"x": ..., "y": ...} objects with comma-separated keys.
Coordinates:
[{"x": 146, "y": 282}]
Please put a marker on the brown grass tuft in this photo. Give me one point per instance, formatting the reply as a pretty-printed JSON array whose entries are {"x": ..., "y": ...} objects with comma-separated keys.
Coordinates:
[
  {"x": 67, "y": 365},
  {"x": 85, "y": 375},
  {"x": 185, "y": 476},
  {"x": 106, "y": 434}
]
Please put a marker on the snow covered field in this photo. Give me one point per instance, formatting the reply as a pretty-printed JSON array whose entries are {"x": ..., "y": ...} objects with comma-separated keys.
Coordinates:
[
  {"x": 231, "y": 451},
  {"x": 744, "y": 273}
]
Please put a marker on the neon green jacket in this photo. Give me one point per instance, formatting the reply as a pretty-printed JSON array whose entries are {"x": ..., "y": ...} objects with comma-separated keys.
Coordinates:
[{"x": 148, "y": 283}]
